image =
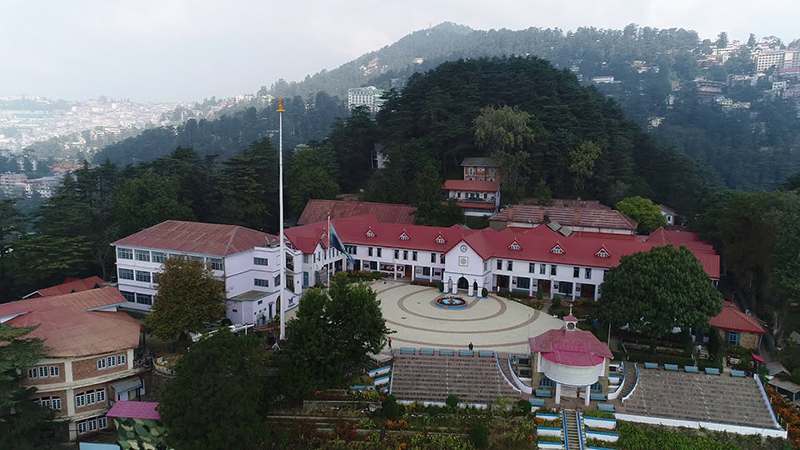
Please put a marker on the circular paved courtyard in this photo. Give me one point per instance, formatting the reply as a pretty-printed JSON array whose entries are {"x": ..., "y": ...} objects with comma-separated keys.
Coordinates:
[{"x": 493, "y": 323}]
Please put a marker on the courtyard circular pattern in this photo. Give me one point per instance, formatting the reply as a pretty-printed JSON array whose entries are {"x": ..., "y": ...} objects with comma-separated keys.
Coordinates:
[{"x": 417, "y": 319}]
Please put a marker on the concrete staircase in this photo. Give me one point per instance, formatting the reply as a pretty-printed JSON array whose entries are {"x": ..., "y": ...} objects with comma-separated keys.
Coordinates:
[
  {"x": 630, "y": 380},
  {"x": 572, "y": 432}
]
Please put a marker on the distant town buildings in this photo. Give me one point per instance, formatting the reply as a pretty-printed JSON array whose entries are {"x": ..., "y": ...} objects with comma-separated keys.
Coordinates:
[
  {"x": 369, "y": 96},
  {"x": 481, "y": 169},
  {"x": 778, "y": 58}
]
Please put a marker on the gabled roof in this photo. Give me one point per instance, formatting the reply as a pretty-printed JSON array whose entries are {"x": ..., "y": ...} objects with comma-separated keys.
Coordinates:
[
  {"x": 480, "y": 162},
  {"x": 79, "y": 324},
  {"x": 318, "y": 211},
  {"x": 196, "y": 237},
  {"x": 572, "y": 216},
  {"x": 68, "y": 286},
  {"x": 667, "y": 209},
  {"x": 570, "y": 347},
  {"x": 126, "y": 409},
  {"x": 732, "y": 319},
  {"x": 471, "y": 186}
]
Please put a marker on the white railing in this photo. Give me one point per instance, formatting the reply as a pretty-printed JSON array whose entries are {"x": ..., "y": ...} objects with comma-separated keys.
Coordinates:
[
  {"x": 635, "y": 383},
  {"x": 616, "y": 393},
  {"x": 500, "y": 368},
  {"x": 766, "y": 400},
  {"x": 522, "y": 387}
]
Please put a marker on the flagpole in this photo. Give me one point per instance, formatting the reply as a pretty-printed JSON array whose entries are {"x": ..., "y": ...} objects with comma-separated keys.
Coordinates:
[
  {"x": 328, "y": 251},
  {"x": 282, "y": 276}
]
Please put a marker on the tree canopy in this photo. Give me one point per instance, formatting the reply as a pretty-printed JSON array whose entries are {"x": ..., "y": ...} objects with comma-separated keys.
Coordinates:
[
  {"x": 644, "y": 211},
  {"x": 655, "y": 291},
  {"x": 188, "y": 296},
  {"x": 218, "y": 395}
]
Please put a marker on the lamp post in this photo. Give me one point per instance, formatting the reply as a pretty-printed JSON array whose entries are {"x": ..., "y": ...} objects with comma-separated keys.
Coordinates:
[{"x": 282, "y": 275}]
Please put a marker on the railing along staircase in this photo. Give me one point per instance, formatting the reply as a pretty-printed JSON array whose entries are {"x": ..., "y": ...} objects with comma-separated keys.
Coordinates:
[{"x": 572, "y": 439}]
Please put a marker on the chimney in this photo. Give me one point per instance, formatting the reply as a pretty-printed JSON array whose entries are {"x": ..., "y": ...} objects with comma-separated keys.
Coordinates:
[
  {"x": 510, "y": 213},
  {"x": 541, "y": 214},
  {"x": 576, "y": 219}
]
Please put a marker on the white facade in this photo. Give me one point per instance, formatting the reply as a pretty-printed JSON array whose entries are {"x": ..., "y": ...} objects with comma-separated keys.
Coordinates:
[
  {"x": 251, "y": 270},
  {"x": 369, "y": 96}
]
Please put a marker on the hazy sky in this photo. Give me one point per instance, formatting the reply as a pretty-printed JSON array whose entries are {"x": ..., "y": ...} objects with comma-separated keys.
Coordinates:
[{"x": 154, "y": 50}]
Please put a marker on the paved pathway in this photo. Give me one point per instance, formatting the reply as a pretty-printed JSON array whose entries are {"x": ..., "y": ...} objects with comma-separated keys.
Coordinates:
[{"x": 493, "y": 323}]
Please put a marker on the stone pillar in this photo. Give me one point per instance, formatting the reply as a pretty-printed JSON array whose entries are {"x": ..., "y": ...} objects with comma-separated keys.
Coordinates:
[
  {"x": 480, "y": 288},
  {"x": 455, "y": 287},
  {"x": 394, "y": 272},
  {"x": 413, "y": 269},
  {"x": 530, "y": 287},
  {"x": 596, "y": 291},
  {"x": 470, "y": 291},
  {"x": 574, "y": 288},
  {"x": 558, "y": 393},
  {"x": 588, "y": 395}
]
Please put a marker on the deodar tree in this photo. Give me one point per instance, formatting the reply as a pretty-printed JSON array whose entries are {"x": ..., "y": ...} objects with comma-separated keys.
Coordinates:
[
  {"x": 653, "y": 292},
  {"x": 644, "y": 211},
  {"x": 188, "y": 295}
]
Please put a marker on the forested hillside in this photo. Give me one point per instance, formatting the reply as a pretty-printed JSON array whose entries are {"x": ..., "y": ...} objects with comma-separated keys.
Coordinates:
[
  {"x": 581, "y": 142},
  {"x": 305, "y": 120}
]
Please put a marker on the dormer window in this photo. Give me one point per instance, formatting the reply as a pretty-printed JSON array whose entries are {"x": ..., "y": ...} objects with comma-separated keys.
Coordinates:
[
  {"x": 515, "y": 246},
  {"x": 370, "y": 233},
  {"x": 557, "y": 250},
  {"x": 440, "y": 239},
  {"x": 404, "y": 237},
  {"x": 602, "y": 253}
]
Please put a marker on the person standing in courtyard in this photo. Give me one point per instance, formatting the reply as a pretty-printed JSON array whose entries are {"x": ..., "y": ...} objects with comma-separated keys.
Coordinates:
[
  {"x": 470, "y": 345},
  {"x": 390, "y": 343}
]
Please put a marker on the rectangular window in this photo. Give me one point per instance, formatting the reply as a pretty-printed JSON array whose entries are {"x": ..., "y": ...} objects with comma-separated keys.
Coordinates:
[
  {"x": 102, "y": 423},
  {"x": 351, "y": 249},
  {"x": 553, "y": 269},
  {"x": 732, "y": 338},
  {"x": 215, "y": 263},
  {"x": 129, "y": 296},
  {"x": 101, "y": 363},
  {"x": 142, "y": 276},
  {"x": 261, "y": 283},
  {"x": 101, "y": 396},
  {"x": 45, "y": 402},
  {"x": 111, "y": 361},
  {"x": 442, "y": 259},
  {"x": 156, "y": 277},
  {"x": 55, "y": 371},
  {"x": 397, "y": 254},
  {"x": 499, "y": 264},
  {"x": 91, "y": 425},
  {"x": 144, "y": 299},
  {"x": 369, "y": 251},
  {"x": 405, "y": 255},
  {"x": 196, "y": 258},
  {"x": 90, "y": 398},
  {"x": 55, "y": 403},
  {"x": 124, "y": 253},
  {"x": 33, "y": 373},
  {"x": 261, "y": 261},
  {"x": 305, "y": 259},
  {"x": 373, "y": 265},
  {"x": 576, "y": 272},
  {"x": 142, "y": 255},
  {"x": 81, "y": 427},
  {"x": 510, "y": 265},
  {"x": 125, "y": 274},
  {"x": 277, "y": 281},
  {"x": 413, "y": 256},
  {"x": 587, "y": 273},
  {"x": 120, "y": 359},
  {"x": 159, "y": 257},
  {"x": 433, "y": 258},
  {"x": 379, "y": 252},
  {"x": 80, "y": 400},
  {"x": 523, "y": 283},
  {"x": 426, "y": 271},
  {"x": 43, "y": 372},
  {"x": 542, "y": 269},
  {"x": 531, "y": 268}
]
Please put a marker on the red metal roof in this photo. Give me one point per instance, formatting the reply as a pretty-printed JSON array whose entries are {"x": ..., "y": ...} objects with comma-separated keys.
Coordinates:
[
  {"x": 570, "y": 347},
  {"x": 590, "y": 217},
  {"x": 732, "y": 319},
  {"x": 318, "y": 211},
  {"x": 471, "y": 186},
  {"x": 71, "y": 327},
  {"x": 195, "y": 237},
  {"x": 68, "y": 286},
  {"x": 536, "y": 243},
  {"x": 127, "y": 409}
]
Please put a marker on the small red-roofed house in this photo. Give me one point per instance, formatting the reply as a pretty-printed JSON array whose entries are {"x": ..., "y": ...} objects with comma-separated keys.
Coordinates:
[
  {"x": 476, "y": 198},
  {"x": 737, "y": 328},
  {"x": 569, "y": 357}
]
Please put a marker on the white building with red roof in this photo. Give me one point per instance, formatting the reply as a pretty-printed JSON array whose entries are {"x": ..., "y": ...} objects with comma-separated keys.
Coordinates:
[
  {"x": 248, "y": 261},
  {"x": 476, "y": 198},
  {"x": 90, "y": 355},
  {"x": 570, "y": 359}
]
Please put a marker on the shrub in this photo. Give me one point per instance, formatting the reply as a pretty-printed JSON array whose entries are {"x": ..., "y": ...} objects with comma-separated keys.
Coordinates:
[
  {"x": 376, "y": 275},
  {"x": 519, "y": 294},
  {"x": 599, "y": 414},
  {"x": 539, "y": 291},
  {"x": 424, "y": 283},
  {"x": 452, "y": 401},
  {"x": 390, "y": 408},
  {"x": 434, "y": 410},
  {"x": 524, "y": 407},
  {"x": 484, "y": 292},
  {"x": 479, "y": 435},
  {"x": 556, "y": 301},
  {"x": 440, "y": 285}
]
